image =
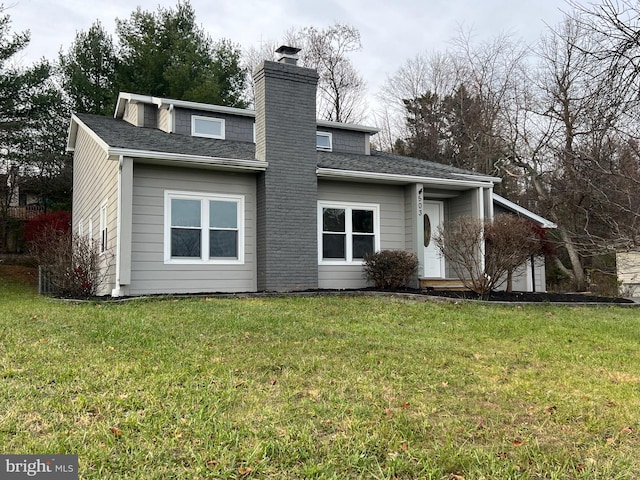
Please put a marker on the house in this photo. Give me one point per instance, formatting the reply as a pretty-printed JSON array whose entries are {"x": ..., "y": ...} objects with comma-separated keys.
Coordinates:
[
  {"x": 530, "y": 277},
  {"x": 628, "y": 273},
  {"x": 185, "y": 197}
]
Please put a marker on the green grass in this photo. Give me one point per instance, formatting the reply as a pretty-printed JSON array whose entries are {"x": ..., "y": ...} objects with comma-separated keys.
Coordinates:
[{"x": 330, "y": 387}]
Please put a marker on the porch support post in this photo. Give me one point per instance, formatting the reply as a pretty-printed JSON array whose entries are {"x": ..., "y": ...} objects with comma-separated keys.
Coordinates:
[
  {"x": 415, "y": 209},
  {"x": 480, "y": 214}
]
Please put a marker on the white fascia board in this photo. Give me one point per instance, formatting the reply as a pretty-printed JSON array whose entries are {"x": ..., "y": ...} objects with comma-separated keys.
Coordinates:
[
  {"x": 73, "y": 132},
  {"x": 484, "y": 178},
  {"x": 207, "y": 107},
  {"x": 347, "y": 126},
  {"x": 124, "y": 97},
  {"x": 231, "y": 163},
  {"x": 514, "y": 207},
  {"x": 396, "y": 178}
]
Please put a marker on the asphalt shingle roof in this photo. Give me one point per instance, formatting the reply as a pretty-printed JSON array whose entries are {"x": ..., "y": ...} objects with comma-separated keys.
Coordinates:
[{"x": 120, "y": 134}]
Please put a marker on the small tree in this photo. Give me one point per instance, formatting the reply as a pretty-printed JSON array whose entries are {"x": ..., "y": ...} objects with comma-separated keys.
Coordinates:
[
  {"x": 390, "y": 269},
  {"x": 508, "y": 242}
]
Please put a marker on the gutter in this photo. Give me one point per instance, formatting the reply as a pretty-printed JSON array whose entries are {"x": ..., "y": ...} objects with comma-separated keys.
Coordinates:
[
  {"x": 396, "y": 178},
  {"x": 230, "y": 163}
]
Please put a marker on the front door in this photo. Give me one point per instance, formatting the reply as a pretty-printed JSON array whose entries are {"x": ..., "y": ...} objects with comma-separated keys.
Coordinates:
[{"x": 432, "y": 219}]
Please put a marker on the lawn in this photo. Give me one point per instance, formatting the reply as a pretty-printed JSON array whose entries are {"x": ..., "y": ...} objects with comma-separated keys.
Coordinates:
[{"x": 322, "y": 387}]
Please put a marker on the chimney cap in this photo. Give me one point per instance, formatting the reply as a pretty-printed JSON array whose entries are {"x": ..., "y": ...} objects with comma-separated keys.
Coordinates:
[
  {"x": 288, "y": 54},
  {"x": 287, "y": 50}
]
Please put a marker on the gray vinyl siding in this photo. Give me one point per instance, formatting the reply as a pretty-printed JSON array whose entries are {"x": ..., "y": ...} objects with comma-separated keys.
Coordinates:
[
  {"x": 459, "y": 206},
  {"x": 521, "y": 278},
  {"x": 95, "y": 181},
  {"x": 392, "y": 226},
  {"x": 150, "y": 119},
  {"x": 149, "y": 273},
  {"x": 409, "y": 218},
  {"x": 346, "y": 141},
  {"x": 454, "y": 208},
  {"x": 236, "y": 127}
]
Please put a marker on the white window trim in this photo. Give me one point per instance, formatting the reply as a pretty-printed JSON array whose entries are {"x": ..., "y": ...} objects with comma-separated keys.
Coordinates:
[
  {"x": 204, "y": 222},
  {"x": 329, "y": 135},
  {"x": 81, "y": 227},
  {"x": 90, "y": 232},
  {"x": 104, "y": 232},
  {"x": 348, "y": 207},
  {"x": 208, "y": 119}
]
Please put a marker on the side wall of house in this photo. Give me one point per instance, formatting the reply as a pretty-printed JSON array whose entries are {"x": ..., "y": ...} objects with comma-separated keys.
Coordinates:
[
  {"x": 95, "y": 186},
  {"x": 149, "y": 273},
  {"x": 628, "y": 268},
  {"x": 392, "y": 226}
]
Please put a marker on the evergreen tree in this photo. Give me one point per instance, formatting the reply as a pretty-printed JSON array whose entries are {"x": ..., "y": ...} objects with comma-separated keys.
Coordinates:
[
  {"x": 165, "y": 53},
  {"x": 87, "y": 72}
]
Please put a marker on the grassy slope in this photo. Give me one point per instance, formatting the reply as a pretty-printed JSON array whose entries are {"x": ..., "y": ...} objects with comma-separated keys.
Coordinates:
[{"x": 320, "y": 388}]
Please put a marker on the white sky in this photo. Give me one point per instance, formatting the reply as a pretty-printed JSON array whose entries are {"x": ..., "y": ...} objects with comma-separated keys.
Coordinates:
[{"x": 392, "y": 31}]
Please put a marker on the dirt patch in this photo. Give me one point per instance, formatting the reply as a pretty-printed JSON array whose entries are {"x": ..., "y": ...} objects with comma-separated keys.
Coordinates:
[{"x": 19, "y": 274}]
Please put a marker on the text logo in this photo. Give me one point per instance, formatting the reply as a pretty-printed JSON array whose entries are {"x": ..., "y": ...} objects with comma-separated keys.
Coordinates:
[{"x": 45, "y": 467}]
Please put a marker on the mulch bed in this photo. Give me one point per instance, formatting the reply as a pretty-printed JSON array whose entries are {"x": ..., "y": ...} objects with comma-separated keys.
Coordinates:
[{"x": 531, "y": 297}]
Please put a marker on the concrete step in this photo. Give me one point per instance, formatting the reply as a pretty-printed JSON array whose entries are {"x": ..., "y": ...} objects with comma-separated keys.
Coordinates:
[{"x": 442, "y": 284}]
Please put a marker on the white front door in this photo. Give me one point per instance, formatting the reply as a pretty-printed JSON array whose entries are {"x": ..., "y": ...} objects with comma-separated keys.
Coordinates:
[{"x": 432, "y": 219}]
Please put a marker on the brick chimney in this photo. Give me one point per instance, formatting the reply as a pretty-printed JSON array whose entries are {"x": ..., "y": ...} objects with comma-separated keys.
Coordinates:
[{"x": 287, "y": 241}]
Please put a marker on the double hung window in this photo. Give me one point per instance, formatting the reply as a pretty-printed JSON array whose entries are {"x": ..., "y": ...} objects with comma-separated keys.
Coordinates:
[
  {"x": 347, "y": 232},
  {"x": 203, "y": 228}
]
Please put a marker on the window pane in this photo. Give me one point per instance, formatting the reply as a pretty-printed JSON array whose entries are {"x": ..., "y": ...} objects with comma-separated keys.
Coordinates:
[
  {"x": 333, "y": 246},
  {"x": 211, "y": 127},
  {"x": 333, "y": 220},
  {"x": 223, "y": 243},
  {"x": 185, "y": 213},
  {"x": 362, "y": 221},
  {"x": 185, "y": 242},
  {"x": 362, "y": 244},
  {"x": 223, "y": 214},
  {"x": 323, "y": 141}
]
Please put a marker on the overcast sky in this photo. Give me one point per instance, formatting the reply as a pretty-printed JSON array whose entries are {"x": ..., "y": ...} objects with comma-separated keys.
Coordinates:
[{"x": 392, "y": 31}]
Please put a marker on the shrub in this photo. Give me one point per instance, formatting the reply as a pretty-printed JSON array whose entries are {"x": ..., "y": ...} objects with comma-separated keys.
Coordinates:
[
  {"x": 70, "y": 262},
  {"x": 390, "y": 269},
  {"x": 508, "y": 241},
  {"x": 45, "y": 224}
]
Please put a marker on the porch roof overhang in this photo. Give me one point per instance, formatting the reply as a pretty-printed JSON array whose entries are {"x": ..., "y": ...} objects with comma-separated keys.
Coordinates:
[
  {"x": 462, "y": 183},
  {"x": 514, "y": 207}
]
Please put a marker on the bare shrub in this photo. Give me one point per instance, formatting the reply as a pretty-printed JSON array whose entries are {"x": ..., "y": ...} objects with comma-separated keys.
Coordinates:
[
  {"x": 390, "y": 269},
  {"x": 71, "y": 262},
  {"x": 508, "y": 241}
]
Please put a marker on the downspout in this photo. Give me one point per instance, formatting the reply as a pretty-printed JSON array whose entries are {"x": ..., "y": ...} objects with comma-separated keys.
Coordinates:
[
  {"x": 171, "y": 122},
  {"x": 116, "y": 291}
]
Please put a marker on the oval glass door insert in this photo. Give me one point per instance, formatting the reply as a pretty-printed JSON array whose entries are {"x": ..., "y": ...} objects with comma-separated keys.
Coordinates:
[{"x": 427, "y": 230}]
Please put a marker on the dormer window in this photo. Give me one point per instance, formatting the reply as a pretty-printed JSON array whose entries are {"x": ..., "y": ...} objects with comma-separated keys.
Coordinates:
[
  {"x": 324, "y": 141},
  {"x": 208, "y": 127}
]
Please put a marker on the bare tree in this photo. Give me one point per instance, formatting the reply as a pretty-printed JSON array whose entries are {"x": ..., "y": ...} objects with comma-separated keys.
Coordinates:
[{"x": 341, "y": 89}]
